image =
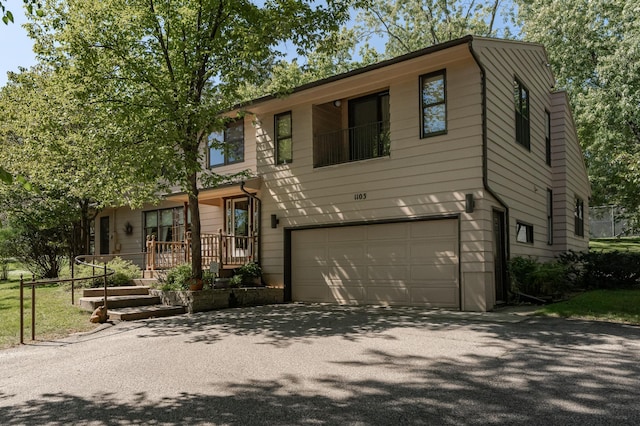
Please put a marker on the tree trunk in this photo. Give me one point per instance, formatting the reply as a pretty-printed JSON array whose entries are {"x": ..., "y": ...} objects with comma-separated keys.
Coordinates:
[{"x": 194, "y": 208}]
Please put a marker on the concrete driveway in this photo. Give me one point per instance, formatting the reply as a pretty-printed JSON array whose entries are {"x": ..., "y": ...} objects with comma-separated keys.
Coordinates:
[{"x": 310, "y": 365}]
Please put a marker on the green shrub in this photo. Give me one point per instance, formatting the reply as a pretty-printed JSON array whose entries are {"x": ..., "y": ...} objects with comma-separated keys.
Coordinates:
[
  {"x": 125, "y": 271},
  {"x": 538, "y": 279},
  {"x": 250, "y": 270},
  {"x": 609, "y": 270},
  {"x": 177, "y": 278}
]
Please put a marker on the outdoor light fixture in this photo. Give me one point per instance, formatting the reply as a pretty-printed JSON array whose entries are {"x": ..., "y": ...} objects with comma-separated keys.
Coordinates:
[
  {"x": 469, "y": 203},
  {"x": 274, "y": 221},
  {"x": 337, "y": 103}
]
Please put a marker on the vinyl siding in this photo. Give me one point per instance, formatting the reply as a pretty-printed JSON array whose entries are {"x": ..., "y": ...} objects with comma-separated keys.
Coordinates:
[
  {"x": 520, "y": 176},
  {"x": 420, "y": 178},
  {"x": 569, "y": 176}
]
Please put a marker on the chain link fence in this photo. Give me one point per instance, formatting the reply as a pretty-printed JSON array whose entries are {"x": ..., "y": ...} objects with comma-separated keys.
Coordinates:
[{"x": 611, "y": 222}]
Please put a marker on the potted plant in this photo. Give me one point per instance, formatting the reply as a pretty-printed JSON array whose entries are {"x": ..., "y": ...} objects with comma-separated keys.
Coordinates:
[{"x": 250, "y": 274}]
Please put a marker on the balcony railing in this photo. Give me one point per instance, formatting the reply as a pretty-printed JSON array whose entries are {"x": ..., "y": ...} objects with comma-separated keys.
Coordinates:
[
  {"x": 352, "y": 144},
  {"x": 226, "y": 250}
]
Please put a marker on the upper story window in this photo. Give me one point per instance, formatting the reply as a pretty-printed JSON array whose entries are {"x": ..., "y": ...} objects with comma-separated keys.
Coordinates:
[
  {"x": 579, "y": 217},
  {"x": 367, "y": 135},
  {"x": 521, "y": 97},
  {"x": 227, "y": 147},
  {"x": 283, "y": 134},
  {"x": 547, "y": 136},
  {"x": 433, "y": 101}
]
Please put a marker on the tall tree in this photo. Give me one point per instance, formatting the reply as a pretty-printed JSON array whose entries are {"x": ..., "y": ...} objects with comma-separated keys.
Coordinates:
[
  {"x": 414, "y": 24},
  {"x": 61, "y": 145},
  {"x": 593, "y": 49},
  {"x": 166, "y": 70}
]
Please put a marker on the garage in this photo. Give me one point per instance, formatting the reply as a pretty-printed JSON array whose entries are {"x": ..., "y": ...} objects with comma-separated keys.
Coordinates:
[{"x": 403, "y": 263}]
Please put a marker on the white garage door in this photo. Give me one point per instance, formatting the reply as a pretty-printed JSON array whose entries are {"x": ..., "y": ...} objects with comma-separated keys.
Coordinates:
[{"x": 408, "y": 264}]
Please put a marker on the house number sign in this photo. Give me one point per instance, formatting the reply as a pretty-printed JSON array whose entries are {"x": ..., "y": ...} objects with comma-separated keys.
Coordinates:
[{"x": 359, "y": 196}]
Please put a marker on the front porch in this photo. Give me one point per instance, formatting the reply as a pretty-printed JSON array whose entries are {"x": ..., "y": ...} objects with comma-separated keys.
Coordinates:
[{"x": 227, "y": 251}]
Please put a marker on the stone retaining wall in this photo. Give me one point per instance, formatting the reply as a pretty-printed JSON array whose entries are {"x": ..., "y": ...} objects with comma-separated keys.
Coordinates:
[{"x": 207, "y": 300}]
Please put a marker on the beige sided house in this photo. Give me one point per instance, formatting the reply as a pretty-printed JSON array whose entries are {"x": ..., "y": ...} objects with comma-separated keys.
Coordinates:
[{"x": 408, "y": 182}]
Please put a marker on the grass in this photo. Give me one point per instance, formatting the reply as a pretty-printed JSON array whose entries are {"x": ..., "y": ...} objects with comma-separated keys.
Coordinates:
[
  {"x": 603, "y": 305},
  {"x": 55, "y": 316},
  {"x": 631, "y": 244}
]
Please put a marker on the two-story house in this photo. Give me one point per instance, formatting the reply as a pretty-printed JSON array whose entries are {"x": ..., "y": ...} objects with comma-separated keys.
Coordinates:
[{"x": 407, "y": 182}]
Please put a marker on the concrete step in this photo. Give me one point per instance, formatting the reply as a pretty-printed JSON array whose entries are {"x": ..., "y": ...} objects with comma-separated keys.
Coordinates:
[
  {"x": 149, "y": 282},
  {"x": 116, "y": 291},
  {"x": 143, "y": 312},
  {"x": 91, "y": 303}
]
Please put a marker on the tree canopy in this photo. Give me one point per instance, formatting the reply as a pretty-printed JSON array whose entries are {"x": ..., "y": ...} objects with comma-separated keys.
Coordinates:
[
  {"x": 594, "y": 51},
  {"x": 163, "y": 72}
]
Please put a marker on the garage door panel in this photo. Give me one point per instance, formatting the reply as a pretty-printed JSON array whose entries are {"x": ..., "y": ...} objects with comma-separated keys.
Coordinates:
[
  {"x": 388, "y": 232},
  {"x": 388, "y": 253},
  {"x": 347, "y": 253},
  {"x": 347, "y": 295},
  {"x": 411, "y": 263},
  {"x": 389, "y": 273},
  {"x": 435, "y": 248},
  {"x": 347, "y": 272},
  {"x": 388, "y": 295},
  {"x": 434, "y": 229},
  {"x": 347, "y": 233}
]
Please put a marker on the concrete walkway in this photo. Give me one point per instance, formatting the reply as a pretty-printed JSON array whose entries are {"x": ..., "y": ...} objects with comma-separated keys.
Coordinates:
[{"x": 297, "y": 364}]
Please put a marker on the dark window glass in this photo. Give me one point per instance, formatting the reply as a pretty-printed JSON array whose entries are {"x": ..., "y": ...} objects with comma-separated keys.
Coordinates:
[
  {"x": 579, "y": 217},
  {"x": 227, "y": 147},
  {"x": 549, "y": 216},
  {"x": 284, "y": 149},
  {"x": 433, "y": 103},
  {"x": 521, "y": 98},
  {"x": 547, "y": 136}
]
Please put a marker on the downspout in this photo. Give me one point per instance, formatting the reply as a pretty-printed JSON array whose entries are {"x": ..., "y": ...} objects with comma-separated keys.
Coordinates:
[
  {"x": 259, "y": 220},
  {"x": 485, "y": 168}
]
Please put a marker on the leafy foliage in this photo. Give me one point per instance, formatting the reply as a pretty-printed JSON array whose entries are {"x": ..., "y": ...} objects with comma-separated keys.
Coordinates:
[
  {"x": 593, "y": 50},
  {"x": 163, "y": 72},
  {"x": 177, "y": 278},
  {"x": 538, "y": 279}
]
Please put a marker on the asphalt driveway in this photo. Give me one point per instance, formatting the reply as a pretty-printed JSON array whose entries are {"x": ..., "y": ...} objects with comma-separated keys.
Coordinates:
[{"x": 315, "y": 365}]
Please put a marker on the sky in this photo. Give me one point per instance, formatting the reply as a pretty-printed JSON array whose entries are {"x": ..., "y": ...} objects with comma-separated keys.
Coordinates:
[{"x": 16, "y": 48}]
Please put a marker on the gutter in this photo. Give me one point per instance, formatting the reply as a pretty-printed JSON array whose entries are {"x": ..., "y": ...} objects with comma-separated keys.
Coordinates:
[
  {"x": 485, "y": 168},
  {"x": 259, "y": 220}
]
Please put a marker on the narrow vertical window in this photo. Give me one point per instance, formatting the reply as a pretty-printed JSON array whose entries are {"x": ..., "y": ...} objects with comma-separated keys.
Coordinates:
[
  {"x": 521, "y": 97},
  {"x": 284, "y": 148},
  {"x": 579, "y": 217},
  {"x": 549, "y": 217},
  {"x": 433, "y": 101},
  {"x": 547, "y": 136}
]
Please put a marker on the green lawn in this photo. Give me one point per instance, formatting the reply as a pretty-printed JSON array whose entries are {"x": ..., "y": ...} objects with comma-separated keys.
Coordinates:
[
  {"x": 631, "y": 244},
  {"x": 604, "y": 305},
  {"x": 55, "y": 316}
]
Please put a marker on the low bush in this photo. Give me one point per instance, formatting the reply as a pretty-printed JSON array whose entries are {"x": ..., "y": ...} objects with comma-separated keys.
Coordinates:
[
  {"x": 539, "y": 279},
  {"x": 125, "y": 271},
  {"x": 609, "y": 270},
  {"x": 177, "y": 278}
]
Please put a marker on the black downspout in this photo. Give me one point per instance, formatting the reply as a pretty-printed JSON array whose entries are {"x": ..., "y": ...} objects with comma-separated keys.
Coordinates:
[
  {"x": 259, "y": 220},
  {"x": 485, "y": 171}
]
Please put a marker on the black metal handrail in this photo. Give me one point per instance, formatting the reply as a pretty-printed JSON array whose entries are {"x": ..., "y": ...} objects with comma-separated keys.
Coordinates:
[
  {"x": 36, "y": 283},
  {"x": 357, "y": 143}
]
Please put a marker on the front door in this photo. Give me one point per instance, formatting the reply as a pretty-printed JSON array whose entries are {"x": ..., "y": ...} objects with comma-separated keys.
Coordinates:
[
  {"x": 104, "y": 235},
  {"x": 500, "y": 257},
  {"x": 241, "y": 224}
]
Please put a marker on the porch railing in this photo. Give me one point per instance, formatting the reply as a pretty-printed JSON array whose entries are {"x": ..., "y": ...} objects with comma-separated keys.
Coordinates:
[
  {"x": 226, "y": 250},
  {"x": 352, "y": 144}
]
